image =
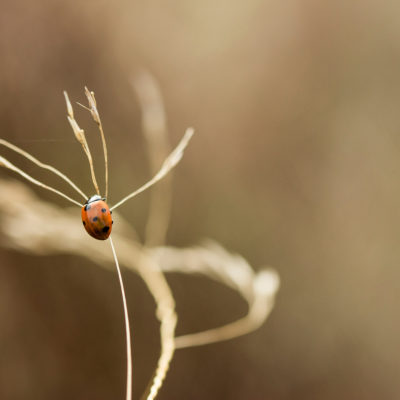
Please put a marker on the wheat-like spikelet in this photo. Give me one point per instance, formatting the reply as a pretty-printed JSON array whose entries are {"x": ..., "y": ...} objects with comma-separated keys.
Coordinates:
[{"x": 81, "y": 138}]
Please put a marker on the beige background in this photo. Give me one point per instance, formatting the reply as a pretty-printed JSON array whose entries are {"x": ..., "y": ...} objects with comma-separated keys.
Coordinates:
[{"x": 295, "y": 164}]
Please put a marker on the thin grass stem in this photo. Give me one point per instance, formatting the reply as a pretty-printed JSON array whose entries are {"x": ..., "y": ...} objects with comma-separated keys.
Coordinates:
[
  {"x": 170, "y": 162},
  {"x": 5, "y": 163},
  {"x": 42, "y": 165},
  {"x": 105, "y": 155},
  {"x": 127, "y": 329},
  {"x": 90, "y": 159}
]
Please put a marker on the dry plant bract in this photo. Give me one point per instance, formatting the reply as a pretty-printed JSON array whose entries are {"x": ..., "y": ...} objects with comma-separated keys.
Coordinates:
[{"x": 62, "y": 233}]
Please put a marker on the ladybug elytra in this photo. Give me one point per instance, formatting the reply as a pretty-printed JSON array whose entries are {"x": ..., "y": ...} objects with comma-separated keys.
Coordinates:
[{"x": 96, "y": 218}]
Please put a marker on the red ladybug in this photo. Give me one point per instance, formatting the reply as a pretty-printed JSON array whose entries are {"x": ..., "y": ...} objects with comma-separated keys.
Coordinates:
[{"x": 96, "y": 218}]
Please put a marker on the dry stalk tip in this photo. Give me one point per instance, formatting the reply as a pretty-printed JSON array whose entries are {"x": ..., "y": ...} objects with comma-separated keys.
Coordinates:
[{"x": 69, "y": 106}]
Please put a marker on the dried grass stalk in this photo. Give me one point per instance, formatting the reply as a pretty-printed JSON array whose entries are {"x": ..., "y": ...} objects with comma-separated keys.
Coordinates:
[
  {"x": 6, "y": 164},
  {"x": 155, "y": 132},
  {"x": 42, "y": 165},
  {"x": 127, "y": 327},
  {"x": 170, "y": 162}
]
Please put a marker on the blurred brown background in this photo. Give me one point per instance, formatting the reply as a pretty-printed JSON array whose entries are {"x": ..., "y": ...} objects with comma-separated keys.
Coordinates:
[{"x": 295, "y": 164}]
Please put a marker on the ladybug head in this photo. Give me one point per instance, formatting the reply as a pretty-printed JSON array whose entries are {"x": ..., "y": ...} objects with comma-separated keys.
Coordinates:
[{"x": 94, "y": 198}]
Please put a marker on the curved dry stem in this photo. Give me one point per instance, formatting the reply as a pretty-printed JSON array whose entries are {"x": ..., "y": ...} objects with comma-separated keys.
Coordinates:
[
  {"x": 257, "y": 289},
  {"x": 127, "y": 328},
  {"x": 170, "y": 162},
  {"x": 5, "y": 163},
  {"x": 159, "y": 288},
  {"x": 154, "y": 128},
  {"x": 259, "y": 310},
  {"x": 42, "y": 165}
]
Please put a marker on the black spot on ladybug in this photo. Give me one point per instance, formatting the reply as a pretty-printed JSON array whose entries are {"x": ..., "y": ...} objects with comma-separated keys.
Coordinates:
[
  {"x": 103, "y": 210},
  {"x": 84, "y": 223},
  {"x": 112, "y": 222},
  {"x": 95, "y": 219},
  {"x": 106, "y": 229}
]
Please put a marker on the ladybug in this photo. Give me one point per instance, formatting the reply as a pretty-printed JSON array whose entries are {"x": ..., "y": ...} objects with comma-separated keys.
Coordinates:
[{"x": 96, "y": 218}]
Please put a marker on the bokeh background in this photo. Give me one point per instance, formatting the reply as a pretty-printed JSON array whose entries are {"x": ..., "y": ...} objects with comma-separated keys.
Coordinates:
[{"x": 295, "y": 164}]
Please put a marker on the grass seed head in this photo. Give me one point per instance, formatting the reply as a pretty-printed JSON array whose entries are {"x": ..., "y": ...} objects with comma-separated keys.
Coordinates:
[
  {"x": 69, "y": 105},
  {"x": 92, "y": 105}
]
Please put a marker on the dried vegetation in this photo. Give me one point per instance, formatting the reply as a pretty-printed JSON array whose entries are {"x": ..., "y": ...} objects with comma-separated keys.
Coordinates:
[{"x": 61, "y": 233}]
